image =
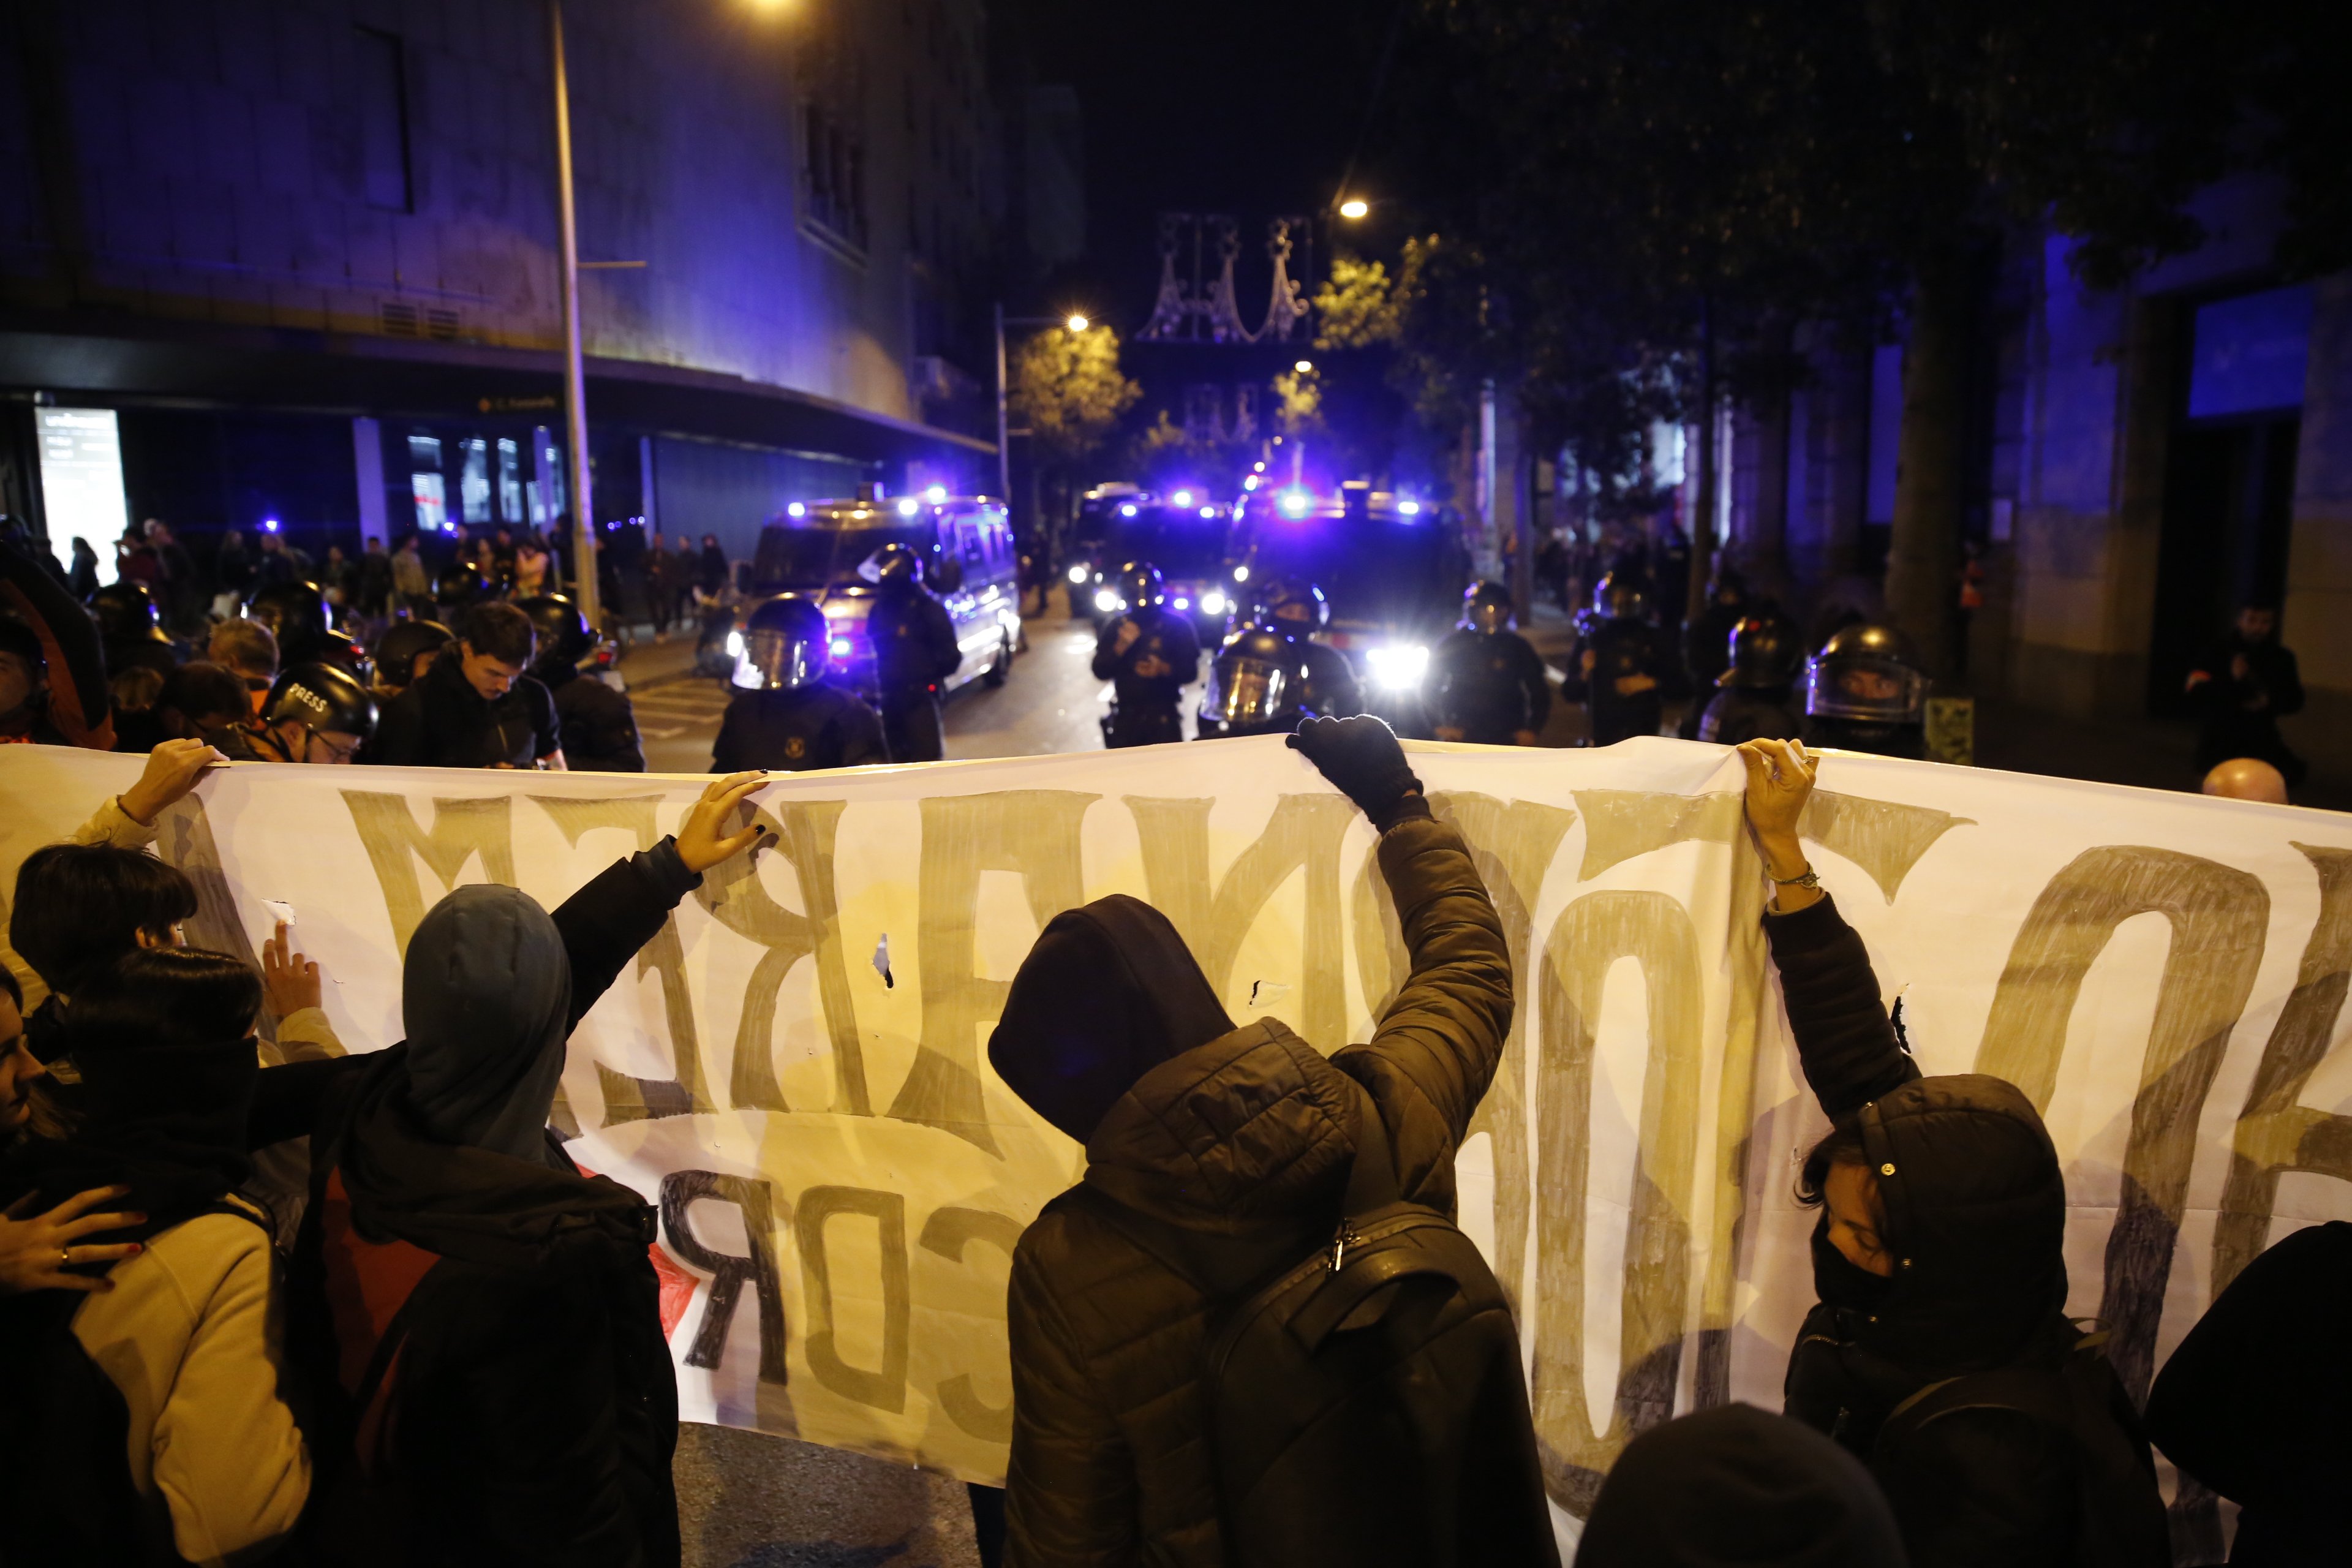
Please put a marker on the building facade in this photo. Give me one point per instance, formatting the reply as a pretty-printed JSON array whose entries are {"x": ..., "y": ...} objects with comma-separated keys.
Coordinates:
[{"x": 306, "y": 251}]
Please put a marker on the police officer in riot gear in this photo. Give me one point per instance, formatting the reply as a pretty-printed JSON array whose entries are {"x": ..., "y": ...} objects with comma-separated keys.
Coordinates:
[
  {"x": 1149, "y": 656},
  {"x": 598, "y": 724},
  {"x": 1706, "y": 642},
  {"x": 1622, "y": 660},
  {"x": 405, "y": 651},
  {"x": 1486, "y": 684},
  {"x": 315, "y": 713},
  {"x": 1752, "y": 698},
  {"x": 784, "y": 717},
  {"x": 1253, "y": 686},
  {"x": 130, "y": 630},
  {"x": 1864, "y": 692},
  {"x": 1300, "y": 609},
  {"x": 459, "y": 588},
  {"x": 296, "y": 613},
  {"x": 915, "y": 653}
]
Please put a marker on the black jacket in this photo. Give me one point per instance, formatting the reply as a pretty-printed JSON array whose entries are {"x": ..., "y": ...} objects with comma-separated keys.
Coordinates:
[
  {"x": 2241, "y": 713},
  {"x": 2254, "y": 1402},
  {"x": 441, "y": 722},
  {"x": 1738, "y": 713},
  {"x": 1489, "y": 687},
  {"x": 1621, "y": 647},
  {"x": 914, "y": 642},
  {"x": 598, "y": 725},
  {"x": 532, "y": 1411},
  {"x": 1166, "y": 637},
  {"x": 796, "y": 731},
  {"x": 1331, "y": 687},
  {"x": 1975, "y": 1205}
]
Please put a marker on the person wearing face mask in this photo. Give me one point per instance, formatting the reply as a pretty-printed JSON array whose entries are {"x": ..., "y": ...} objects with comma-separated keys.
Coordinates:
[
  {"x": 478, "y": 1317},
  {"x": 1939, "y": 1353}
]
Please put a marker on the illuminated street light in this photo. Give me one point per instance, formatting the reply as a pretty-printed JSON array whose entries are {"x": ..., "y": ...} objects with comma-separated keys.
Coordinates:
[
  {"x": 1077, "y": 323},
  {"x": 1305, "y": 367},
  {"x": 935, "y": 494},
  {"x": 1354, "y": 208}
]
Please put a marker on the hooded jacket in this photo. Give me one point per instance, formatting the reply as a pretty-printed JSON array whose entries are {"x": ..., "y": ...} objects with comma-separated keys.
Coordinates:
[
  {"x": 2253, "y": 1402},
  {"x": 487, "y": 1314},
  {"x": 1975, "y": 1214},
  {"x": 1244, "y": 1138},
  {"x": 1735, "y": 1486}
]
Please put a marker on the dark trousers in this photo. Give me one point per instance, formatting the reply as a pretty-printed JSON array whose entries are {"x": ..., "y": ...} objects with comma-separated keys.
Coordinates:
[
  {"x": 911, "y": 726},
  {"x": 1133, "y": 724}
]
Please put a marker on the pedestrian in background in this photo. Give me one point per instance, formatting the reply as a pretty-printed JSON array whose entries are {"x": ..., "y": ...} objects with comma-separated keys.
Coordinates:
[
  {"x": 411, "y": 583},
  {"x": 2242, "y": 689},
  {"x": 375, "y": 583},
  {"x": 711, "y": 572},
  {"x": 658, "y": 573},
  {"x": 250, "y": 650},
  {"x": 531, "y": 563}
]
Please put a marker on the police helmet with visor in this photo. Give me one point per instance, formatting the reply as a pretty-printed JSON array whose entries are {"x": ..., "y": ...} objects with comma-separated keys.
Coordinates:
[
  {"x": 895, "y": 564},
  {"x": 1866, "y": 673},
  {"x": 1486, "y": 609},
  {"x": 125, "y": 612},
  {"x": 402, "y": 644},
  {"x": 293, "y": 612},
  {"x": 1763, "y": 652},
  {"x": 785, "y": 646},
  {"x": 1139, "y": 584},
  {"x": 562, "y": 631},
  {"x": 1298, "y": 606},
  {"x": 1620, "y": 597},
  {"x": 1254, "y": 678}
]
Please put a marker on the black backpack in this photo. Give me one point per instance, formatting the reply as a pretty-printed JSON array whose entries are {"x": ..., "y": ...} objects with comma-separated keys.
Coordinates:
[
  {"x": 1365, "y": 1403},
  {"x": 65, "y": 1431},
  {"x": 2120, "y": 1519}
]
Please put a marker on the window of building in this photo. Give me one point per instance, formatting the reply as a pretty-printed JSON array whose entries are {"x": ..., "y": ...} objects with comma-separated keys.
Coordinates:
[
  {"x": 833, "y": 170},
  {"x": 510, "y": 481},
  {"x": 384, "y": 120},
  {"x": 474, "y": 480}
]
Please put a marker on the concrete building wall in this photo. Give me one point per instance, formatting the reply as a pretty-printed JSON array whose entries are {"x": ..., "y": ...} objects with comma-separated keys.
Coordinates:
[
  {"x": 2317, "y": 621},
  {"x": 212, "y": 160}
]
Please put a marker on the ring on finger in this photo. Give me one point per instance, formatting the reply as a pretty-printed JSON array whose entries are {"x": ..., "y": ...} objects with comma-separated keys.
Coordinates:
[{"x": 65, "y": 1256}]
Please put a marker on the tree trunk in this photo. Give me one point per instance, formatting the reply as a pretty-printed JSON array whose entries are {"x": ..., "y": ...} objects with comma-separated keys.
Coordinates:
[{"x": 1922, "y": 555}]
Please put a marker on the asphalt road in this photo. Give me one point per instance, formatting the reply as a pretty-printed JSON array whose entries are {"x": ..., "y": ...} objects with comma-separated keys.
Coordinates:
[{"x": 1050, "y": 703}]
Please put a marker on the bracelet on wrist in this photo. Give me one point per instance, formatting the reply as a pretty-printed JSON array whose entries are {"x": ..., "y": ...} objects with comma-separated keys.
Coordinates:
[{"x": 1808, "y": 877}]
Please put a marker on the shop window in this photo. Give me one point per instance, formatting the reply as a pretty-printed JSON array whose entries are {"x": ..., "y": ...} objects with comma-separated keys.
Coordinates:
[
  {"x": 510, "y": 480},
  {"x": 474, "y": 481}
]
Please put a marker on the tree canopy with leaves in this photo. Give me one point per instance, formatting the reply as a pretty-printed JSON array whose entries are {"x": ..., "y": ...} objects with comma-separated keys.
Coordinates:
[{"x": 1068, "y": 390}]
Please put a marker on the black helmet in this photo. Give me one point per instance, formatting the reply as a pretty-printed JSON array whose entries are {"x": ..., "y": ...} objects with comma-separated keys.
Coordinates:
[
  {"x": 895, "y": 564},
  {"x": 397, "y": 650},
  {"x": 1487, "y": 608},
  {"x": 1254, "y": 678},
  {"x": 1867, "y": 673},
  {"x": 1296, "y": 604},
  {"x": 1765, "y": 652},
  {"x": 335, "y": 648},
  {"x": 126, "y": 613},
  {"x": 564, "y": 635},
  {"x": 1139, "y": 584},
  {"x": 786, "y": 645},
  {"x": 460, "y": 585},
  {"x": 290, "y": 610},
  {"x": 320, "y": 696},
  {"x": 1728, "y": 579},
  {"x": 1620, "y": 596}
]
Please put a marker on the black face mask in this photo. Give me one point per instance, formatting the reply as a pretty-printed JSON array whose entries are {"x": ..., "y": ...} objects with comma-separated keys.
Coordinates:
[{"x": 1840, "y": 1282}]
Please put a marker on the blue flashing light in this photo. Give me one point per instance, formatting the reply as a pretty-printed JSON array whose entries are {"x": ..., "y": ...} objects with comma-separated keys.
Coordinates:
[
  {"x": 796, "y": 510},
  {"x": 1296, "y": 502},
  {"x": 268, "y": 525}
]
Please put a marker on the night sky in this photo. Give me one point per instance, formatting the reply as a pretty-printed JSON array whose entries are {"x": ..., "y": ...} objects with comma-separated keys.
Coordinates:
[{"x": 1245, "y": 106}]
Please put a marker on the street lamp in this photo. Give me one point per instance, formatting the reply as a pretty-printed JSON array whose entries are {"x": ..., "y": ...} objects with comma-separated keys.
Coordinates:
[
  {"x": 1075, "y": 323},
  {"x": 1305, "y": 367},
  {"x": 1354, "y": 208}
]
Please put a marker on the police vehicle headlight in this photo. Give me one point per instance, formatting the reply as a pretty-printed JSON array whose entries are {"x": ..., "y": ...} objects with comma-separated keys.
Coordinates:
[
  {"x": 735, "y": 644},
  {"x": 1106, "y": 601},
  {"x": 1077, "y": 574},
  {"x": 1212, "y": 603},
  {"x": 1182, "y": 602},
  {"x": 840, "y": 648},
  {"x": 1241, "y": 573},
  {"x": 1399, "y": 666}
]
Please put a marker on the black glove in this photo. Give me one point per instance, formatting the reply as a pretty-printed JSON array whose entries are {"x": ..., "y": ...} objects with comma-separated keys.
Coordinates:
[{"x": 1362, "y": 760}]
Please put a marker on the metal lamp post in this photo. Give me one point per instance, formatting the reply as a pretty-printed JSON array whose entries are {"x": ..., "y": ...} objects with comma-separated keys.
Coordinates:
[{"x": 575, "y": 380}]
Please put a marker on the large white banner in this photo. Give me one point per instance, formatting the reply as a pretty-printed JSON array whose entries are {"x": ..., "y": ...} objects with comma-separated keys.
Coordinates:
[{"x": 795, "y": 1071}]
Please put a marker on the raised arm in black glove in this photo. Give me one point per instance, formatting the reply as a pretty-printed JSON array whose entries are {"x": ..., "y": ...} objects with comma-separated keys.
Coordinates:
[{"x": 1362, "y": 760}]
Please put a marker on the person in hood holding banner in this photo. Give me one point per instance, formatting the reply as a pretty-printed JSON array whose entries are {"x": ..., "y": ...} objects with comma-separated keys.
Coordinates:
[
  {"x": 1236, "y": 1148},
  {"x": 1939, "y": 1353},
  {"x": 480, "y": 1317}
]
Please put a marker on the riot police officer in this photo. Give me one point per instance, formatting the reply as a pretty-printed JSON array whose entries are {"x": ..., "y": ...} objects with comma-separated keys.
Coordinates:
[
  {"x": 1622, "y": 659},
  {"x": 914, "y": 652},
  {"x": 1149, "y": 656},
  {"x": 1706, "y": 642},
  {"x": 599, "y": 725},
  {"x": 315, "y": 713},
  {"x": 1486, "y": 684},
  {"x": 1300, "y": 609},
  {"x": 784, "y": 717},
  {"x": 295, "y": 615},
  {"x": 1255, "y": 685},
  {"x": 405, "y": 651},
  {"x": 130, "y": 630},
  {"x": 1753, "y": 700},
  {"x": 1864, "y": 692},
  {"x": 458, "y": 587}
]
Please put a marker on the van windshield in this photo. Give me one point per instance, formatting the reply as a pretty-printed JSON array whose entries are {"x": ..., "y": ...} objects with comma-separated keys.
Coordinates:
[{"x": 815, "y": 557}]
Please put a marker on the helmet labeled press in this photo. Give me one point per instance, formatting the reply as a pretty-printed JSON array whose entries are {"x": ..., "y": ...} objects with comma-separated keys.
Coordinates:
[{"x": 323, "y": 700}]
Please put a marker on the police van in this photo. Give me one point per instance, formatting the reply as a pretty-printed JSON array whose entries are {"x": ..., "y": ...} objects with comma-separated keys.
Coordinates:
[{"x": 823, "y": 550}]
